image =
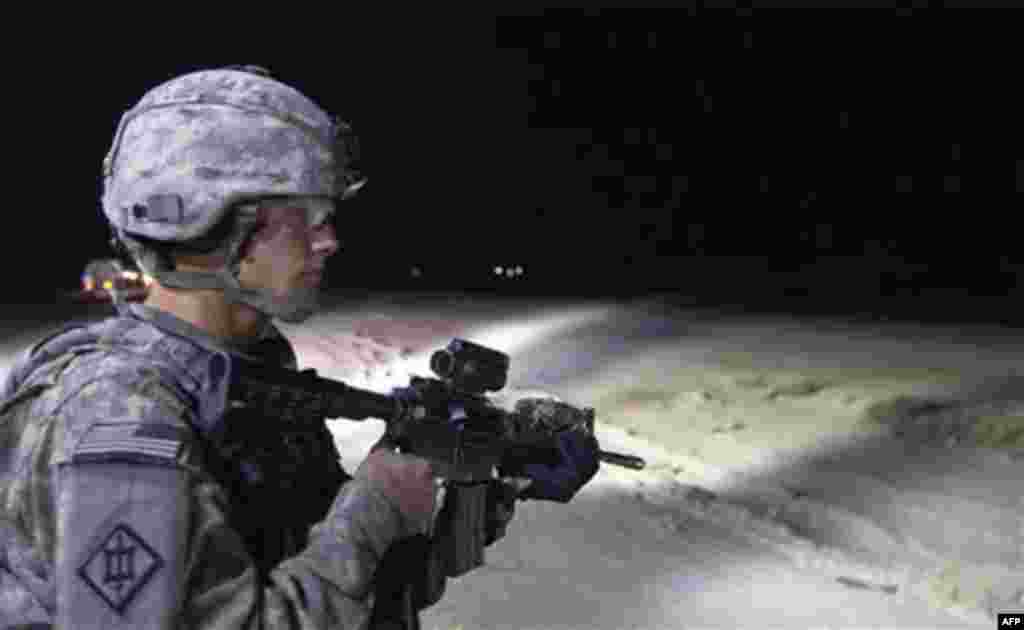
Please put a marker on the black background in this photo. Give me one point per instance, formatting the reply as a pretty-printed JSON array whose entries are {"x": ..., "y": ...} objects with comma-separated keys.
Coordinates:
[{"x": 833, "y": 159}]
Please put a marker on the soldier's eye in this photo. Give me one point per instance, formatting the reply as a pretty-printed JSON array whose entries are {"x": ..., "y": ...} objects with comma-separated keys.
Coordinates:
[{"x": 321, "y": 217}]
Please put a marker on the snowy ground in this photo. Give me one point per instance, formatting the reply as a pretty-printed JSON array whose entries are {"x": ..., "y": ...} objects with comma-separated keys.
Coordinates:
[{"x": 801, "y": 474}]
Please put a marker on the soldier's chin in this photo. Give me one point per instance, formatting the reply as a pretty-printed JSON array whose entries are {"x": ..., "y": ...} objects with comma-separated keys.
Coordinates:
[{"x": 298, "y": 306}]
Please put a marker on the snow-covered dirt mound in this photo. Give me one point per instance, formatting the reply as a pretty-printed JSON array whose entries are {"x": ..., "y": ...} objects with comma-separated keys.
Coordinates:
[{"x": 826, "y": 464}]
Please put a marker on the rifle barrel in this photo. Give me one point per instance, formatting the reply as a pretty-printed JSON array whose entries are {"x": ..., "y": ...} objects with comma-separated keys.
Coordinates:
[{"x": 626, "y": 461}]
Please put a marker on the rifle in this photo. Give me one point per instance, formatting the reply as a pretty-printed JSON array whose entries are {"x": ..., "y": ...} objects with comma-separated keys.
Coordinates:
[{"x": 449, "y": 421}]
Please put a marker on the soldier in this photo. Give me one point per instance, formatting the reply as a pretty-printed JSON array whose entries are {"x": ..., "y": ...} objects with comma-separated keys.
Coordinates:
[{"x": 133, "y": 495}]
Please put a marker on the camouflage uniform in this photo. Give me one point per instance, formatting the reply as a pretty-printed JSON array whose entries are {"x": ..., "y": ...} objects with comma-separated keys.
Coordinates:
[
  {"x": 133, "y": 492},
  {"x": 130, "y": 498}
]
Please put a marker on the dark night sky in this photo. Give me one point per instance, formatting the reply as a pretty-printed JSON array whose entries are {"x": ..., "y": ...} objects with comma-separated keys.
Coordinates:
[{"x": 605, "y": 151}]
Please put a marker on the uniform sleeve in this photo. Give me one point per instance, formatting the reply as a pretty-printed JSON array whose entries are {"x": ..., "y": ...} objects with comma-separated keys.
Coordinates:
[{"x": 145, "y": 540}]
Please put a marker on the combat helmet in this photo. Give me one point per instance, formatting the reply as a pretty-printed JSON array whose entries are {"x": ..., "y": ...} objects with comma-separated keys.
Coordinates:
[{"x": 191, "y": 161}]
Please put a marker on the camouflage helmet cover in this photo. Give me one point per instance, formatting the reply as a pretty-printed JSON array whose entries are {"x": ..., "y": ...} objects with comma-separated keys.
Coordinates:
[
  {"x": 202, "y": 144},
  {"x": 198, "y": 144}
]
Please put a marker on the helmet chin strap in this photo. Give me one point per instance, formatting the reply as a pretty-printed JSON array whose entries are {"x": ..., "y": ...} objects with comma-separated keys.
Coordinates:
[{"x": 294, "y": 308}]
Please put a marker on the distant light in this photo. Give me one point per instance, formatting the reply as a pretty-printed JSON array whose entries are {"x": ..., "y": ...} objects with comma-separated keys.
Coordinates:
[
  {"x": 519, "y": 271},
  {"x": 108, "y": 285},
  {"x": 498, "y": 271},
  {"x": 416, "y": 272}
]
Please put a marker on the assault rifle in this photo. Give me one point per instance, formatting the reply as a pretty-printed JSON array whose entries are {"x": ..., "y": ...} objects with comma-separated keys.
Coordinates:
[{"x": 449, "y": 421}]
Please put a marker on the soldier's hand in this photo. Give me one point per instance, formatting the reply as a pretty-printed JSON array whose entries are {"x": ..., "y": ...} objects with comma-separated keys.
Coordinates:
[
  {"x": 560, "y": 482},
  {"x": 406, "y": 480}
]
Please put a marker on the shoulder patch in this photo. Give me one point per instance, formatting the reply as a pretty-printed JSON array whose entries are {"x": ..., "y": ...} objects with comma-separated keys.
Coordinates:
[
  {"x": 134, "y": 442},
  {"x": 120, "y": 567}
]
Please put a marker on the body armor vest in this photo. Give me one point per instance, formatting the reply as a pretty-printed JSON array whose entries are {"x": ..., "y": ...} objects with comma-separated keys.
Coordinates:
[{"x": 280, "y": 483}]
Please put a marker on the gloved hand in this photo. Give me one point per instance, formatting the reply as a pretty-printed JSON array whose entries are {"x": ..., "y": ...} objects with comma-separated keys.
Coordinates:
[{"x": 559, "y": 482}]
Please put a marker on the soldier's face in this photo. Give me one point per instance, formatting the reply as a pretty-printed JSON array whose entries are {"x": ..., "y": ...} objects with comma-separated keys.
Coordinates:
[{"x": 288, "y": 253}]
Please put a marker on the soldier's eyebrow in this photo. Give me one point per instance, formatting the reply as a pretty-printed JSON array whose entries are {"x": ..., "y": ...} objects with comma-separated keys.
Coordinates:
[{"x": 283, "y": 213}]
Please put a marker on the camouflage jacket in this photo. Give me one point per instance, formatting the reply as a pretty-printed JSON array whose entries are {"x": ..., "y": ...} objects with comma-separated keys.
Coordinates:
[{"x": 130, "y": 499}]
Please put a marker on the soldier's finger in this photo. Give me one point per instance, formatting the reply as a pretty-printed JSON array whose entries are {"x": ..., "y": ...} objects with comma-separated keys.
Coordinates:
[{"x": 385, "y": 443}]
